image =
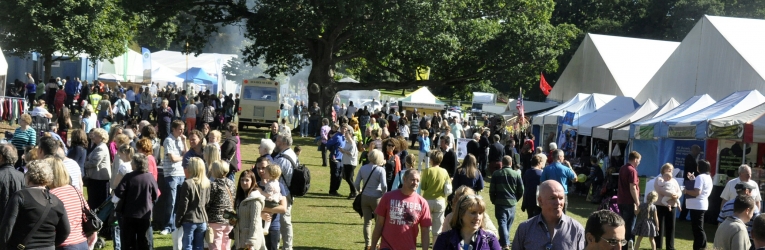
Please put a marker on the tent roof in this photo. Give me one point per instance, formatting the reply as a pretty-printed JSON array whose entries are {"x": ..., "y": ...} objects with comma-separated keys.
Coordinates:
[
  {"x": 538, "y": 119},
  {"x": 3, "y": 65},
  {"x": 197, "y": 75},
  {"x": 161, "y": 72},
  {"x": 612, "y": 65},
  {"x": 745, "y": 117},
  {"x": 719, "y": 55},
  {"x": 584, "y": 106},
  {"x": 733, "y": 104},
  {"x": 422, "y": 95},
  {"x": 612, "y": 110},
  {"x": 668, "y": 106},
  {"x": 176, "y": 60},
  {"x": 602, "y": 131},
  {"x": 690, "y": 106}
]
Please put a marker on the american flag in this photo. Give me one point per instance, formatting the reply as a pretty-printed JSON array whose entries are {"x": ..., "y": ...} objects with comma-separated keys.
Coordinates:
[{"x": 519, "y": 106}]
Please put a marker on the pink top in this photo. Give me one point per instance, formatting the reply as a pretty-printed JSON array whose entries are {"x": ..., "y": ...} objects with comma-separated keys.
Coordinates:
[
  {"x": 73, "y": 205},
  {"x": 238, "y": 153},
  {"x": 403, "y": 217}
]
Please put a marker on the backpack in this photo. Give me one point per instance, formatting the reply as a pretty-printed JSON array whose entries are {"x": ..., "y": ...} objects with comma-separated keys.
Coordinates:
[
  {"x": 301, "y": 178},
  {"x": 40, "y": 124}
]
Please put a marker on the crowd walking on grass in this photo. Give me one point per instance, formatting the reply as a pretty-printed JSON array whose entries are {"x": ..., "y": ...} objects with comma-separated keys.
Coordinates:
[{"x": 165, "y": 160}]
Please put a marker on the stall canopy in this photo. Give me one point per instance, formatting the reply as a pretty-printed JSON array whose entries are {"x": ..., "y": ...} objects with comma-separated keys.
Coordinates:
[
  {"x": 616, "y": 129},
  {"x": 720, "y": 55},
  {"x": 611, "y": 65},
  {"x": 740, "y": 126},
  {"x": 162, "y": 73},
  {"x": 644, "y": 129},
  {"x": 585, "y": 106},
  {"x": 198, "y": 76},
  {"x": 539, "y": 119},
  {"x": 422, "y": 95},
  {"x": 695, "y": 125},
  {"x": 612, "y": 110},
  {"x": 110, "y": 78}
]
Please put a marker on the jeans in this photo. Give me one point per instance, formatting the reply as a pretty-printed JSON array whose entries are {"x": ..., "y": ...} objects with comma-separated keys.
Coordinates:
[
  {"x": 323, "y": 149},
  {"x": 666, "y": 226},
  {"x": 368, "y": 205},
  {"x": 628, "y": 214},
  {"x": 304, "y": 128},
  {"x": 697, "y": 226},
  {"x": 134, "y": 230},
  {"x": 348, "y": 177},
  {"x": 194, "y": 236},
  {"x": 286, "y": 225},
  {"x": 437, "y": 209},
  {"x": 336, "y": 176},
  {"x": 505, "y": 217},
  {"x": 81, "y": 246},
  {"x": 272, "y": 239},
  {"x": 174, "y": 182},
  {"x": 221, "y": 240}
]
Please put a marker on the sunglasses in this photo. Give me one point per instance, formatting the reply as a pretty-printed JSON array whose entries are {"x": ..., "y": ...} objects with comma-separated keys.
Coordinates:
[
  {"x": 390, "y": 145},
  {"x": 615, "y": 242}
]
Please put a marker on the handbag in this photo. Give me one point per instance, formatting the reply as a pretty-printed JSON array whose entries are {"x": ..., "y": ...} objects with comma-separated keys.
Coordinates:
[
  {"x": 357, "y": 200},
  {"x": 90, "y": 221},
  {"x": 209, "y": 234},
  {"x": 447, "y": 188},
  {"x": 231, "y": 219}
]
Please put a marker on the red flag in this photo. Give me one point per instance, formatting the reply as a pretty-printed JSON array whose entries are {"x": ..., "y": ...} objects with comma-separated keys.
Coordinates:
[{"x": 543, "y": 85}]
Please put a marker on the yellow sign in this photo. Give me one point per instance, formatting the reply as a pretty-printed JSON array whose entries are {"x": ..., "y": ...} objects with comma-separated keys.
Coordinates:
[{"x": 423, "y": 73}]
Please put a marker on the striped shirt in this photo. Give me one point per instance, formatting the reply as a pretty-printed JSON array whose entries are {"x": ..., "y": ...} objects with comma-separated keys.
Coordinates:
[
  {"x": 23, "y": 138},
  {"x": 73, "y": 205},
  {"x": 727, "y": 211},
  {"x": 74, "y": 172}
]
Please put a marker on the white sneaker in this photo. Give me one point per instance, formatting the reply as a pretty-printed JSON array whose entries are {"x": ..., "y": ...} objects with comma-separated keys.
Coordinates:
[
  {"x": 164, "y": 232},
  {"x": 630, "y": 245}
]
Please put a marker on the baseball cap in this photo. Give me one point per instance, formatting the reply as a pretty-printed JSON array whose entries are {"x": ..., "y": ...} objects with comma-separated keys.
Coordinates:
[{"x": 744, "y": 185}]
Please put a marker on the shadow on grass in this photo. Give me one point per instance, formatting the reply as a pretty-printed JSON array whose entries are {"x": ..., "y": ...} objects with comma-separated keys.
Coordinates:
[
  {"x": 312, "y": 248},
  {"x": 361, "y": 223},
  {"x": 328, "y": 206}
]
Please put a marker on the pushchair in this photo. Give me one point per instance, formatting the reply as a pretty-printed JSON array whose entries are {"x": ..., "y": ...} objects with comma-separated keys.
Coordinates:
[{"x": 105, "y": 213}]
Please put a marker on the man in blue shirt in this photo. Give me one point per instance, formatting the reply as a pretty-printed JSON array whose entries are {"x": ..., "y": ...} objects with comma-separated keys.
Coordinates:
[
  {"x": 560, "y": 171},
  {"x": 335, "y": 168}
]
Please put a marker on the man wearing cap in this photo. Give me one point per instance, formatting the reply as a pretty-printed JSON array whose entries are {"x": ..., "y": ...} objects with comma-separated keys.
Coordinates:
[
  {"x": 732, "y": 233},
  {"x": 744, "y": 175}
]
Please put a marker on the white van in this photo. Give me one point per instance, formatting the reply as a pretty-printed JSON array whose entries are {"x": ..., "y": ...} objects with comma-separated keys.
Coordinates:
[{"x": 259, "y": 103}]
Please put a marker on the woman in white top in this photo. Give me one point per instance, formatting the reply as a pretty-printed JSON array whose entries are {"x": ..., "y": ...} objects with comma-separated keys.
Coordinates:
[
  {"x": 191, "y": 117},
  {"x": 350, "y": 159},
  {"x": 697, "y": 202}
]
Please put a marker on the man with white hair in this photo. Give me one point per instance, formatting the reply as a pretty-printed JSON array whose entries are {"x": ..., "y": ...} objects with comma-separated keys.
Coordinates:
[
  {"x": 551, "y": 153},
  {"x": 285, "y": 157},
  {"x": 744, "y": 175}
]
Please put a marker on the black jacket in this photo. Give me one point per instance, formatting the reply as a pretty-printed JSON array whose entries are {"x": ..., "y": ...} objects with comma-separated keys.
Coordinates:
[
  {"x": 137, "y": 192},
  {"x": 474, "y": 148},
  {"x": 228, "y": 152},
  {"x": 450, "y": 162},
  {"x": 11, "y": 180},
  {"x": 23, "y": 211},
  {"x": 496, "y": 152}
]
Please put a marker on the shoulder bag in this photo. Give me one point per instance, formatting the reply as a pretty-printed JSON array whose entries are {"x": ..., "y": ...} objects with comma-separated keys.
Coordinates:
[
  {"x": 210, "y": 233},
  {"x": 37, "y": 225},
  {"x": 90, "y": 221},
  {"x": 357, "y": 200}
]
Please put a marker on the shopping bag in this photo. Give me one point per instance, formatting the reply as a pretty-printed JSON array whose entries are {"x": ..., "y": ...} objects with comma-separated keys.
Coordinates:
[{"x": 178, "y": 239}]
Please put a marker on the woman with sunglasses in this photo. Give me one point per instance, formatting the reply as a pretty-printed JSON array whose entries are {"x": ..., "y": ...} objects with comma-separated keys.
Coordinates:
[
  {"x": 467, "y": 228},
  {"x": 392, "y": 162}
]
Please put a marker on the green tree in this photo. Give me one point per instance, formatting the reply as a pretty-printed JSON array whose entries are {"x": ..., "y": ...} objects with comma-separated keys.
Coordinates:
[
  {"x": 99, "y": 28},
  {"x": 385, "y": 42}
]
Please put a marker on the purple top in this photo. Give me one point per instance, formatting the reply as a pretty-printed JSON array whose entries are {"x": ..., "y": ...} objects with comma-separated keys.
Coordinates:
[{"x": 324, "y": 133}]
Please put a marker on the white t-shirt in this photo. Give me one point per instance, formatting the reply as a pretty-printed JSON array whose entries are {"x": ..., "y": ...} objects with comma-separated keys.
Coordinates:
[
  {"x": 729, "y": 192},
  {"x": 701, "y": 202},
  {"x": 191, "y": 111}
]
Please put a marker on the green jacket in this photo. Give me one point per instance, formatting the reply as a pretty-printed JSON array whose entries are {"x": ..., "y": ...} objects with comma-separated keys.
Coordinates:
[{"x": 506, "y": 187}]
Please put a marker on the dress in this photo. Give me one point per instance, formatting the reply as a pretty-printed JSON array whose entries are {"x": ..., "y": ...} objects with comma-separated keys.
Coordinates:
[{"x": 646, "y": 221}]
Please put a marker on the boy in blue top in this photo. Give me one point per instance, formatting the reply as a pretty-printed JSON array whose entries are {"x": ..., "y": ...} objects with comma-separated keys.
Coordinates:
[
  {"x": 560, "y": 171},
  {"x": 424, "y": 140},
  {"x": 334, "y": 143}
]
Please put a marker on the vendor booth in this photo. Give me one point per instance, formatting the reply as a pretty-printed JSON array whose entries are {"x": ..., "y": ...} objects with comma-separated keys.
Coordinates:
[
  {"x": 547, "y": 123},
  {"x": 423, "y": 101},
  {"x": 198, "y": 76}
]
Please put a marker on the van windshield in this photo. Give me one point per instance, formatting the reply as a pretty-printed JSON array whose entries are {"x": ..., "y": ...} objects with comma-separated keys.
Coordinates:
[{"x": 257, "y": 93}]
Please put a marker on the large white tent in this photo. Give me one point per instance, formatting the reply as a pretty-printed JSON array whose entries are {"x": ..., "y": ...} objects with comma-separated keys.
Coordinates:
[
  {"x": 695, "y": 124},
  {"x": 720, "y": 55},
  {"x": 539, "y": 118},
  {"x": 614, "y": 131},
  {"x": 612, "y": 110},
  {"x": 611, "y": 65},
  {"x": 644, "y": 129}
]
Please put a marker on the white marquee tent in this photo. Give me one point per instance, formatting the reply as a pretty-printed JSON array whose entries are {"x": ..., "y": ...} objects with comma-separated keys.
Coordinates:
[
  {"x": 605, "y": 114},
  {"x": 614, "y": 131},
  {"x": 645, "y": 128},
  {"x": 735, "y": 103},
  {"x": 584, "y": 106},
  {"x": 720, "y": 55},
  {"x": 611, "y": 65}
]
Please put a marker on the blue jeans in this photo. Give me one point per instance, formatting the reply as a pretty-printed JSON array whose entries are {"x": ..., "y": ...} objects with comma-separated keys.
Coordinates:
[
  {"x": 174, "y": 182},
  {"x": 194, "y": 236},
  {"x": 505, "y": 217},
  {"x": 81, "y": 246},
  {"x": 304, "y": 128},
  {"x": 628, "y": 214},
  {"x": 116, "y": 235}
]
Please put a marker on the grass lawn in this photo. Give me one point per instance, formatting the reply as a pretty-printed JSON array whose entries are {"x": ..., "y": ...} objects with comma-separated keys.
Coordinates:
[{"x": 327, "y": 222}]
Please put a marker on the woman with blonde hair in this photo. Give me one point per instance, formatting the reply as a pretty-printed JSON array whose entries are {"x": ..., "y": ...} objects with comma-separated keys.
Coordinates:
[
  {"x": 468, "y": 174},
  {"x": 211, "y": 154},
  {"x": 74, "y": 204},
  {"x": 192, "y": 199},
  {"x": 24, "y": 136},
  {"x": 374, "y": 187},
  {"x": 221, "y": 202},
  {"x": 434, "y": 180},
  {"x": 467, "y": 227},
  {"x": 98, "y": 168},
  {"x": 458, "y": 193}
]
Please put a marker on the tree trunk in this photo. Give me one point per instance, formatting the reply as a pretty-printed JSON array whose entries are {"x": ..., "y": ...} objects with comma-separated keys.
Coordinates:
[
  {"x": 322, "y": 75},
  {"x": 47, "y": 64}
]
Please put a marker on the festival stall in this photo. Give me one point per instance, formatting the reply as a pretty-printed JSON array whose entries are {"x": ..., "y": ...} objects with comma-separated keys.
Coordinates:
[
  {"x": 547, "y": 123},
  {"x": 421, "y": 100},
  {"x": 741, "y": 140},
  {"x": 198, "y": 76},
  {"x": 615, "y": 130},
  {"x": 693, "y": 126}
]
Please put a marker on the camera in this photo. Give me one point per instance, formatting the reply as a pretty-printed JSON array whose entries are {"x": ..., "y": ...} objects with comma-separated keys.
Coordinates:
[{"x": 229, "y": 215}]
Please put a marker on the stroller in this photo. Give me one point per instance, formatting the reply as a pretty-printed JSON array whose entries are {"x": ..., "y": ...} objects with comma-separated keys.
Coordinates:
[{"x": 105, "y": 213}]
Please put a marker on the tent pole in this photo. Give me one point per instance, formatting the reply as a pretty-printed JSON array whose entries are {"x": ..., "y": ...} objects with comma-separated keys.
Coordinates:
[
  {"x": 592, "y": 144},
  {"x": 743, "y": 154},
  {"x": 610, "y": 147}
]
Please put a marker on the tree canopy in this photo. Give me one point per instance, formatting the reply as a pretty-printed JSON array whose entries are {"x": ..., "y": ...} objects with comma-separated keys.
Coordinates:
[
  {"x": 99, "y": 28},
  {"x": 383, "y": 43}
]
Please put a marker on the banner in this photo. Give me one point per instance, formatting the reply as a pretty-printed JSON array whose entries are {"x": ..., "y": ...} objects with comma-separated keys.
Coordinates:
[
  {"x": 568, "y": 119},
  {"x": 146, "y": 56},
  {"x": 644, "y": 132},
  {"x": 732, "y": 154},
  {"x": 726, "y": 132},
  {"x": 462, "y": 148},
  {"x": 688, "y": 132}
]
